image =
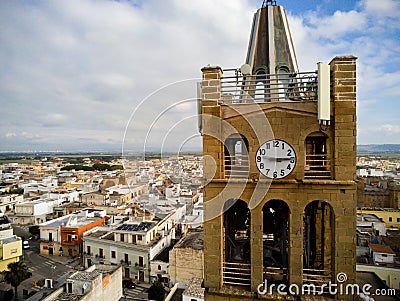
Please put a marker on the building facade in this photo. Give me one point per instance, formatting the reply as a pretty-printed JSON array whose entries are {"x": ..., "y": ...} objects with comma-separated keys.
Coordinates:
[
  {"x": 280, "y": 156},
  {"x": 63, "y": 236},
  {"x": 131, "y": 245}
]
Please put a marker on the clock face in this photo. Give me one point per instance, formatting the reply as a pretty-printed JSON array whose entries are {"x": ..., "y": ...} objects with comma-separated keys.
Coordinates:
[{"x": 275, "y": 159}]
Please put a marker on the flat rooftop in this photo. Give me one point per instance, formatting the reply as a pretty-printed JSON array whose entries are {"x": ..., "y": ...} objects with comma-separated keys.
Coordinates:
[
  {"x": 143, "y": 227},
  {"x": 194, "y": 240}
]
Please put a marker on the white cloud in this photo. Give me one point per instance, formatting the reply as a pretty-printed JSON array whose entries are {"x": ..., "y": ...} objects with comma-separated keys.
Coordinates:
[
  {"x": 10, "y": 135},
  {"x": 77, "y": 69},
  {"x": 389, "y": 129}
]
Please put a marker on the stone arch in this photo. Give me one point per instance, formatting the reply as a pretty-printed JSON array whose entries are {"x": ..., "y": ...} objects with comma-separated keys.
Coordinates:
[
  {"x": 318, "y": 241},
  {"x": 236, "y": 266},
  {"x": 236, "y": 156},
  {"x": 237, "y": 231},
  {"x": 317, "y": 155},
  {"x": 276, "y": 217}
]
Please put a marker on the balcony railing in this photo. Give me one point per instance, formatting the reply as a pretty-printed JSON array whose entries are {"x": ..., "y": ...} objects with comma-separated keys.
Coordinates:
[
  {"x": 275, "y": 274},
  {"x": 300, "y": 86},
  {"x": 317, "y": 277},
  {"x": 236, "y": 166},
  {"x": 238, "y": 274},
  {"x": 317, "y": 166}
]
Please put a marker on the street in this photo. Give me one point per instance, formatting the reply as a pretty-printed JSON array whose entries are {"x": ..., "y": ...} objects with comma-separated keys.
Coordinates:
[
  {"x": 41, "y": 266},
  {"x": 137, "y": 293}
]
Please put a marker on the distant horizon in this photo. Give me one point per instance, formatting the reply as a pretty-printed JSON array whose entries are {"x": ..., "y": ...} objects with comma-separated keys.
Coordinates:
[{"x": 154, "y": 150}]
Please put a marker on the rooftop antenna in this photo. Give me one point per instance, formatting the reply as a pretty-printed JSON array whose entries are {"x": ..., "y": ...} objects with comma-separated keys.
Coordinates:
[{"x": 268, "y": 2}]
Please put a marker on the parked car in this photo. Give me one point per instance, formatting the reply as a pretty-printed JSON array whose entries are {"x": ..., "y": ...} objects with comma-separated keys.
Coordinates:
[
  {"x": 25, "y": 245},
  {"x": 128, "y": 284}
]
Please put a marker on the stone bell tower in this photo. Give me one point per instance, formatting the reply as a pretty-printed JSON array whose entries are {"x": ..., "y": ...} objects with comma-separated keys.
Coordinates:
[{"x": 279, "y": 147}]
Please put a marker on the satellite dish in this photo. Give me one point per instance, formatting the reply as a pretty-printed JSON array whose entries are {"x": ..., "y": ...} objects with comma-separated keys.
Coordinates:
[
  {"x": 245, "y": 69},
  {"x": 85, "y": 286}
]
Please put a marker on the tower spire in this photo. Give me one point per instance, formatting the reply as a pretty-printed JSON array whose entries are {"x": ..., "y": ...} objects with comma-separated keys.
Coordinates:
[{"x": 271, "y": 47}]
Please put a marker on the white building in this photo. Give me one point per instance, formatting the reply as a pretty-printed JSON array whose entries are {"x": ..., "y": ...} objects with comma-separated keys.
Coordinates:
[
  {"x": 382, "y": 254},
  {"x": 32, "y": 212},
  {"x": 97, "y": 283},
  {"x": 8, "y": 202},
  {"x": 371, "y": 223},
  {"x": 134, "y": 245}
]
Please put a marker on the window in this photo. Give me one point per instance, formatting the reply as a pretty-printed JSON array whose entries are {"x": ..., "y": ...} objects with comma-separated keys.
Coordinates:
[
  {"x": 69, "y": 238},
  {"x": 139, "y": 237},
  {"x": 390, "y": 219},
  {"x": 122, "y": 237},
  {"x": 140, "y": 261},
  {"x": 126, "y": 258},
  {"x": 159, "y": 267},
  {"x": 236, "y": 157},
  {"x": 50, "y": 237},
  {"x": 101, "y": 253},
  {"x": 113, "y": 254},
  {"x": 398, "y": 220},
  {"x": 317, "y": 156},
  {"x": 88, "y": 250}
]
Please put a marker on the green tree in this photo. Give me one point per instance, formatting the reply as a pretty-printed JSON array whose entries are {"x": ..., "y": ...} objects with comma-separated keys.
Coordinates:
[
  {"x": 156, "y": 291},
  {"x": 34, "y": 230},
  {"x": 17, "y": 272}
]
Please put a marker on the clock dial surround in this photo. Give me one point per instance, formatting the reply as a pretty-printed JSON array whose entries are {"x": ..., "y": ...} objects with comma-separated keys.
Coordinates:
[{"x": 276, "y": 159}]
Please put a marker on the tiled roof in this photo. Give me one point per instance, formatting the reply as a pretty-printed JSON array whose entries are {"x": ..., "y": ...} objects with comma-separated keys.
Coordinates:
[{"x": 381, "y": 249}]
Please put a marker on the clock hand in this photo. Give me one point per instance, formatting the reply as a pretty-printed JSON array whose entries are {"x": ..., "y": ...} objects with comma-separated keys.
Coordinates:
[{"x": 277, "y": 158}]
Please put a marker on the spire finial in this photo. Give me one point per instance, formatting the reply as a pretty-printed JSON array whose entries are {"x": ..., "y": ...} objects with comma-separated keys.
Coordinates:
[{"x": 268, "y": 2}]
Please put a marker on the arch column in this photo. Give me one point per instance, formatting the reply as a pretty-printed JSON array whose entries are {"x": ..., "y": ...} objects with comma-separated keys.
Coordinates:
[
  {"x": 256, "y": 246},
  {"x": 296, "y": 246}
]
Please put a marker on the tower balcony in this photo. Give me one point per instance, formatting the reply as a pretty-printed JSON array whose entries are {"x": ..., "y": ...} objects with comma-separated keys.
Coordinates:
[
  {"x": 317, "y": 166},
  {"x": 297, "y": 86},
  {"x": 237, "y": 274}
]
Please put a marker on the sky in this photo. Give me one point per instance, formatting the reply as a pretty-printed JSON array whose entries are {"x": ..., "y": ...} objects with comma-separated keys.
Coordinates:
[{"x": 100, "y": 75}]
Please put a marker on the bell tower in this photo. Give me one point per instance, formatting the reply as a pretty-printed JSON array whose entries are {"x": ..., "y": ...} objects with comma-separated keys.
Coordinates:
[{"x": 279, "y": 150}]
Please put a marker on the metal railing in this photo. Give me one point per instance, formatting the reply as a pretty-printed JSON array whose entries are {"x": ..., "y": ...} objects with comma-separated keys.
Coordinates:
[
  {"x": 300, "y": 86},
  {"x": 236, "y": 166},
  {"x": 238, "y": 274},
  {"x": 275, "y": 274},
  {"x": 317, "y": 166},
  {"x": 317, "y": 277}
]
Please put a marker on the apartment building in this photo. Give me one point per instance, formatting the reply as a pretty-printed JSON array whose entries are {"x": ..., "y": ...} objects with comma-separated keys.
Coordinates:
[
  {"x": 97, "y": 283},
  {"x": 63, "y": 236},
  {"x": 133, "y": 245},
  {"x": 10, "y": 245}
]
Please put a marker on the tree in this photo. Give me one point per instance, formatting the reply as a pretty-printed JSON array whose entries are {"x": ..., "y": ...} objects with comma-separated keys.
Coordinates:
[
  {"x": 34, "y": 230},
  {"x": 17, "y": 272},
  {"x": 156, "y": 291}
]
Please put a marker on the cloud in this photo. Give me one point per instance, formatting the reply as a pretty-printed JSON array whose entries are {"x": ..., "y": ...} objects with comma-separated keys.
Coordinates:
[
  {"x": 389, "y": 129},
  {"x": 10, "y": 135},
  {"x": 76, "y": 70}
]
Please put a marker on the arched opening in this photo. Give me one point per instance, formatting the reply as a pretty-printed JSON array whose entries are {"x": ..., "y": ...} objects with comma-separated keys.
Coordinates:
[
  {"x": 275, "y": 241},
  {"x": 260, "y": 89},
  {"x": 318, "y": 244},
  {"x": 317, "y": 156},
  {"x": 236, "y": 157},
  {"x": 236, "y": 266},
  {"x": 285, "y": 83}
]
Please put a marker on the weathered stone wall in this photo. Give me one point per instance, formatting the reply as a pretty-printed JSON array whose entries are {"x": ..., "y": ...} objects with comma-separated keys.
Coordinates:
[
  {"x": 184, "y": 264},
  {"x": 292, "y": 122}
]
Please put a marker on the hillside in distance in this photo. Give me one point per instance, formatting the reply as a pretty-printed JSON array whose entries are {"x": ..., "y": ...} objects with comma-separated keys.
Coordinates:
[{"x": 378, "y": 148}]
